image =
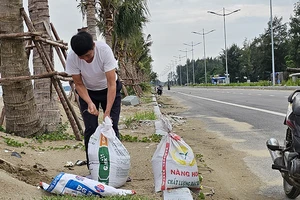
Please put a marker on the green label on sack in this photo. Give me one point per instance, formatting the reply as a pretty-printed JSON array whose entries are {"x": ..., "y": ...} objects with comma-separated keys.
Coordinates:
[{"x": 104, "y": 164}]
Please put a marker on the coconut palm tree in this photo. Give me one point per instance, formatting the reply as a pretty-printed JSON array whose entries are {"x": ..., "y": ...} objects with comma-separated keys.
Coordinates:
[
  {"x": 19, "y": 103},
  {"x": 89, "y": 11},
  {"x": 139, "y": 57},
  {"x": 46, "y": 100},
  {"x": 130, "y": 19},
  {"x": 121, "y": 21},
  {"x": 106, "y": 13},
  {"x": 91, "y": 18}
]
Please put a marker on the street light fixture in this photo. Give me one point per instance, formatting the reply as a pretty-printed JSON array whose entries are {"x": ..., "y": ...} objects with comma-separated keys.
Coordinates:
[
  {"x": 224, "y": 15},
  {"x": 192, "y": 45},
  {"x": 203, "y": 34}
]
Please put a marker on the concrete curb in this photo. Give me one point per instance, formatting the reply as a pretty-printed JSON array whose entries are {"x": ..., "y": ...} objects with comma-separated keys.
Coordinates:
[
  {"x": 178, "y": 193},
  {"x": 158, "y": 124}
]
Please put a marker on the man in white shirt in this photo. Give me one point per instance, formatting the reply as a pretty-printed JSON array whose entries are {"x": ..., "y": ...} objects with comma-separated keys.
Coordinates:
[{"x": 92, "y": 66}]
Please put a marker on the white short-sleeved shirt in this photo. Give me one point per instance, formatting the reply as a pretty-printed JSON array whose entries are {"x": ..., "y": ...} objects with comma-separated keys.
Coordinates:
[{"x": 93, "y": 74}]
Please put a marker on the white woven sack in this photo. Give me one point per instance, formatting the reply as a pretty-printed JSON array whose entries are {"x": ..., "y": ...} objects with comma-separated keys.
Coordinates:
[
  {"x": 109, "y": 160},
  {"x": 74, "y": 185},
  {"x": 174, "y": 164}
]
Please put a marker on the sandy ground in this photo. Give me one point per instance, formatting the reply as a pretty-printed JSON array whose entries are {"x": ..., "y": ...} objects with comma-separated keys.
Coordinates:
[{"x": 225, "y": 176}]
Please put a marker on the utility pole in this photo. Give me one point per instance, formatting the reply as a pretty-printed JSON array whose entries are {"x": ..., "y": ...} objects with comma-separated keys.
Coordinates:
[
  {"x": 203, "y": 34},
  {"x": 224, "y": 15},
  {"x": 187, "y": 67},
  {"x": 272, "y": 43},
  {"x": 179, "y": 65},
  {"x": 193, "y": 63}
]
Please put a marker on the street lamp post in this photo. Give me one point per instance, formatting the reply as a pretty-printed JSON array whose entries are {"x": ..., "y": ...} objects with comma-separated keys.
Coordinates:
[
  {"x": 203, "y": 34},
  {"x": 192, "y": 45},
  {"x": 168, "y": 70},
  {"x": 179, "y": 65},
  {"x": 187, "y": 69},
  {"x": 224, "y": 15},
  {"x": 174, "y": 64},
  {"x": 272, "y": 43}
]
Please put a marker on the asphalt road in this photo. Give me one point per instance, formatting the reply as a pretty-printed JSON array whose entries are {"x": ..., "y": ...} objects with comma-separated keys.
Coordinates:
[{"x": 247, "y": 117}]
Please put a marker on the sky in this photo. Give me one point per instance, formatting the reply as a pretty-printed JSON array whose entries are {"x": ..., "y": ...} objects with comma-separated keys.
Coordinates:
[{"x": 172, "y": 21}]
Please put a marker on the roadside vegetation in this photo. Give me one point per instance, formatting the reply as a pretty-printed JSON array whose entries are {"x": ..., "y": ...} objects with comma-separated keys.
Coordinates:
[
  {"x": 289, "y": 82},
  {"x": 139, "y": 116}
]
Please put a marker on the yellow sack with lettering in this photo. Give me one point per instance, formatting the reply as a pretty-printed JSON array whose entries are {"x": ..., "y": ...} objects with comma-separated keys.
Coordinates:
[{"x": 173, "y": 163}]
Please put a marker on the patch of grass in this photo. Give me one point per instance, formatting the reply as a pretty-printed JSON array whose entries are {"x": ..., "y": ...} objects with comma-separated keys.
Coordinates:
[
  {"x": 290, "y": 82},
  {"x": 13, "y": 143},
  {"x": 199, "y": 157},
  {"x": 146, "y": 99},
  {"x": 128, "y": 121},
  {"x": 59, "y": 134},
  {"x": 152, "y": 138},
  {"x": 128, "y": 138},
  {"x": 2, "y": 129},
  {"x": 201, "y": 195},
  {"x": 78, "y": 146},
  {"x": 147, "y": 115},
  {"x": 155, "y": 138}
]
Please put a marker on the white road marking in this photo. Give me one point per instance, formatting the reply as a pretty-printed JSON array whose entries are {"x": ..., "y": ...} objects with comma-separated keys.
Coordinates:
[{"x": 237, "y": 105}]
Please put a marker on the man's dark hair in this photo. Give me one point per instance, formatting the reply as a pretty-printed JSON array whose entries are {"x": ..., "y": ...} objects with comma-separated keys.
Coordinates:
[{"x": 82, "y": 42}]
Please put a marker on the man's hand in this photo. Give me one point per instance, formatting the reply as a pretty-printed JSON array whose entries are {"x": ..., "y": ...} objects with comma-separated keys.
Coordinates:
[
  {"x": 106, "y": 114},
  {"x": 92, "y": 109}
]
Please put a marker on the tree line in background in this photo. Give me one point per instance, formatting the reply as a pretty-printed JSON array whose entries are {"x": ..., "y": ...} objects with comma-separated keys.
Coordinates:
[{"x": 252, "y": 61}]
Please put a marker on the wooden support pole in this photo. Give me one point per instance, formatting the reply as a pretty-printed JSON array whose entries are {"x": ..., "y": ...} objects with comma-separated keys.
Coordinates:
[
  {"x": 71, "y": 83},
  {"x": 39, "y": 38},
  {"x": 29, "y": 47},
  {"x": 65, "y": 98},
  {"x": 57, "y": 85},
  {"x": 2, "y": 116},
  {"x": 57, "y": 38},
  {"x": 57, "y": 49},
  {"x": 62, "y": 89},
  {"x": 137, "y": 89},
  {"x": 39, "y": 76},
  {"x": 63, "y": 78},
  {"x": 15, "y": 35}
]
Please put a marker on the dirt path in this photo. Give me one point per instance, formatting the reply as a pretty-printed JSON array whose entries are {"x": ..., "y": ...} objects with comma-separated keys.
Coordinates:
[{"x": 222, "y": 167}]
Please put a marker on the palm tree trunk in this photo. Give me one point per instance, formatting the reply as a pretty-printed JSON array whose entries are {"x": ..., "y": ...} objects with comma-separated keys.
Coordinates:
[
  {"x": 108, "y": 18},
  {"x": 19, "y": 103},
  {"x": 47, "y": 101},
  {"x": 91, "y": 18}
]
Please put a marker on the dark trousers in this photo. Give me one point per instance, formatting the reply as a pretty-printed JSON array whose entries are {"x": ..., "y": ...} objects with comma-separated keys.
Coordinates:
[{"x": 91, "y": 121}]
